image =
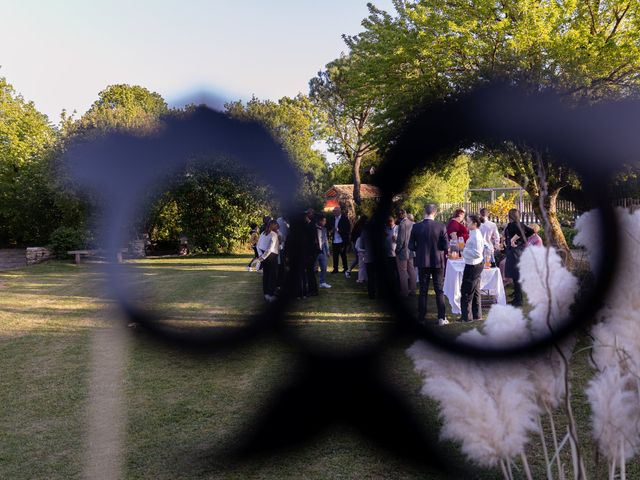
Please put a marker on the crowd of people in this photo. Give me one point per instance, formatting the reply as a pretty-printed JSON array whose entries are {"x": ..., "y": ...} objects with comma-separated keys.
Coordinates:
[
  {"x": 278, "y": 253},
  {"x": 300, "y": 250}
]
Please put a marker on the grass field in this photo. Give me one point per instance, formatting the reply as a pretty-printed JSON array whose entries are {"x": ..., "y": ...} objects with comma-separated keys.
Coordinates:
[{"x": 180, "y": 408}]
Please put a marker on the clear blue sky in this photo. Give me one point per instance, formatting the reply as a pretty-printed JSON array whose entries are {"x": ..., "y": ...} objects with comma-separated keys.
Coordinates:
[{"x": 60, "y": 54}]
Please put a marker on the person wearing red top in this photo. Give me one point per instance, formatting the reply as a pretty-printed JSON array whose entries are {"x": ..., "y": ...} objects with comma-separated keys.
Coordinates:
[{"x": 456, "y": 225}]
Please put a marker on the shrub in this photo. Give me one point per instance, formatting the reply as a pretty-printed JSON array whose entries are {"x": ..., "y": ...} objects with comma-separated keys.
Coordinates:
[
  {"x": 63, "y": 239},
  {"x": 569, "y": 234},
  {"x": 367, "y": 207},
  {"x": 501, "y": 206}
]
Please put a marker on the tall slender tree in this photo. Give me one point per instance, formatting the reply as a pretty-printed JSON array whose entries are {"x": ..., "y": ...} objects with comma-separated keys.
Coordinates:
[{"x": 347, "y": 114}]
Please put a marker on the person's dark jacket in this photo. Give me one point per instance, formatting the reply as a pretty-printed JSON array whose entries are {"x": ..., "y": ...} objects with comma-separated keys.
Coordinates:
[
  {"x": 344, "y": 228},
  {"x": 428, "y": 240},
  {"x": 301, "y": 242},
  {"x": 513, "y": 253},
  {"x": 402, "y": 243}
]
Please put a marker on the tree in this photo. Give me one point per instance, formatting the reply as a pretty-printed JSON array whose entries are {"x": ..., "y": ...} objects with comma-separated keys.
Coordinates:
[
  {"x": 120, "y": 107},
  {"x": 295, "y": 124},
  {"x": 347, "y": 115},
  {"x": 584, "y": 51},
  {"x": 341, "y": 172},
  {"x": 486, "y": 172},
  {"x": 26, "y": 201},
  {"x": 213, "y": 202},
  {"x": 627, "y": 183},
  {"x": 445, "y": 185}
]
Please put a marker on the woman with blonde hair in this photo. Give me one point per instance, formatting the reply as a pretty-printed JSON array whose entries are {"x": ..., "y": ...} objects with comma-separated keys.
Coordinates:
[{"x": 535, "y": 240}]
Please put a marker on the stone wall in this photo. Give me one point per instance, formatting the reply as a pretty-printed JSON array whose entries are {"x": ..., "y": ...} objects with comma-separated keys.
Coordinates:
[
  {"x": 136, "y": 249},
  {"x": 37, "y": 255}
]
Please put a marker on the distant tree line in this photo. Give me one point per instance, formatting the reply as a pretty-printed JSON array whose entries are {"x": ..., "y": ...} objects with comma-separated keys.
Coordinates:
[{"x": 211, "y": 201}]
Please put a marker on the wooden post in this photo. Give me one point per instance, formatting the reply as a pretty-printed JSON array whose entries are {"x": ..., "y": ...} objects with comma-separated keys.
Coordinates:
[
  {"x": 77, "y": 258},
  {"x": 520, "y": 201}
]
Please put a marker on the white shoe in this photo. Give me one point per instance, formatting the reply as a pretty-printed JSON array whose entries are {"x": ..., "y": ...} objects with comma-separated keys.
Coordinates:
[
  {"x": 249, "y": 269},
  {"x": 443, "y": 321},
  {"x": 347, "y": 273},
  {"x": 270, "y": 298},
  {"x": 325, "y": 285}
]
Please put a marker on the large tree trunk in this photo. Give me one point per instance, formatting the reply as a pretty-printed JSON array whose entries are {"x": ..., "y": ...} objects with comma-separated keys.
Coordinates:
[
  {"x": 554, "y": 236},
  {"x": 357, "y": 160}
]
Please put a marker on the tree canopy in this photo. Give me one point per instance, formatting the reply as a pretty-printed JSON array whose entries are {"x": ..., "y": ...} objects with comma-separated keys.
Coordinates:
[
  {"x": 26, "y": 137},
  {"x": 428, "y": 50},
  {"x": 347, "y": 114},
  {"x": 585, "y": 51},
  {"x": 445, "y": 185},
  {"x": 295, "y": 123},
  {"x": 122, "y": 107}
]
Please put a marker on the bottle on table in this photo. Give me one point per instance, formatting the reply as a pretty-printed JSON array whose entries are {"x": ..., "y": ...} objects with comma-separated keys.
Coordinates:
[{"x": 487, "y": 257}]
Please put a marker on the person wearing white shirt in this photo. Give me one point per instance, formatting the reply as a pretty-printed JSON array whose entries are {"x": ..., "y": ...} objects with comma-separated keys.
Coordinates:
[
  {"x": 263, "y": 242},
  {"x": 268, "y": 259},
  {"x": 391, "y": 238},
  {"x": 283, "y": 225},
  {"x": 322, "y": 247},
  {"x": 473, "y": 255},
  {"x": 340, "y": 226},
  {"x": 489, "y": 231},
  {"x": 283, "y": 231},
  {"x": 362, "y": 268},
  {"x": 336, "y": 235}
]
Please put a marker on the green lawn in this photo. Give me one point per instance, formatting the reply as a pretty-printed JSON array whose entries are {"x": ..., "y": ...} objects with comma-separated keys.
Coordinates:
[{"x": 180, "y": 409}]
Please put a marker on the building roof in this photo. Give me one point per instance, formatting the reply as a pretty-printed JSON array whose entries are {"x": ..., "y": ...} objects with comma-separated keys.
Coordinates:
[{"x": 345, "y": 191}]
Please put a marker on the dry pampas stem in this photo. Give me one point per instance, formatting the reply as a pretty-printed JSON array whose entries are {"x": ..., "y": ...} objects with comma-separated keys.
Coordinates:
[
  {"x": 525, "y": 465},
  {"x": 555, "y": 444},
  {"x": 545, "y": 450}
]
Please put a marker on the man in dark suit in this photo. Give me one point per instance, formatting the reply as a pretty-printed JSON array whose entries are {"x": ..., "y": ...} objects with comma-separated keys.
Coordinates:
[
  {"x": 428, "y": 240},
  {"x": 310, "y": 284},
  {"x": 301, "y": 254},
  {"x": 340, "y": 227}
]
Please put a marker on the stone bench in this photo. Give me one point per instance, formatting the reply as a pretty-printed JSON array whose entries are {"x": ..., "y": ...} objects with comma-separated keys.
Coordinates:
[{"x": 92, "y": 253}]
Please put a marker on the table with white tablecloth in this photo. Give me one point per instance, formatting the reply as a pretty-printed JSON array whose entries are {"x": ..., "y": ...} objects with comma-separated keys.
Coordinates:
[{"x": 490, "y": 281}]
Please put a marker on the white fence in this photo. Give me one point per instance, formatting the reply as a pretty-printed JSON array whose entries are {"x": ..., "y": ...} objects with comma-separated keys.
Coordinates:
[{"x": 566, "y": 209}]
